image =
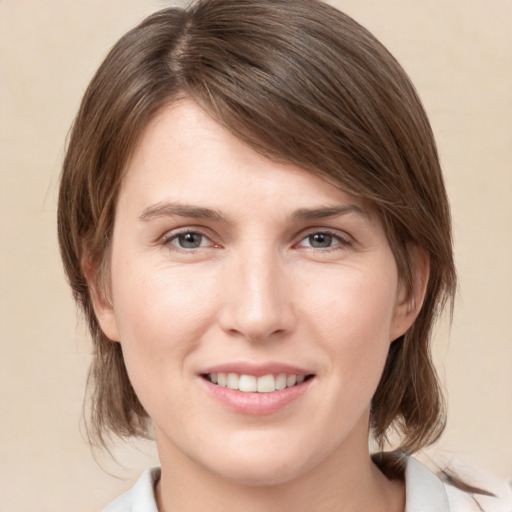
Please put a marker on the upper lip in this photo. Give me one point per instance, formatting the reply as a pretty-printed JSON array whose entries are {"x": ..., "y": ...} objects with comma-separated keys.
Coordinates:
[{"x": 258, "y": 370}]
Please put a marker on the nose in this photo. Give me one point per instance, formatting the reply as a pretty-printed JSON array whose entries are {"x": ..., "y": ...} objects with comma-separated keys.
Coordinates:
[{"x": 257, "y": 303}]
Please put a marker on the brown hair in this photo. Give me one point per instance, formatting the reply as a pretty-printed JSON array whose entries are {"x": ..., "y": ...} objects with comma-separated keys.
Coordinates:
[{"x": 298, "y": 81}]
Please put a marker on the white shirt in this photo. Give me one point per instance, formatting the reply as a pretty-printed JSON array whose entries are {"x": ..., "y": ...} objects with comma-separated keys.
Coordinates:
[{"x": 424, "y": 492}]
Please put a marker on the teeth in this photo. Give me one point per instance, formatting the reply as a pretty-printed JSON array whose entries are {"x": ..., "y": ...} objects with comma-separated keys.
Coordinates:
[
  {"x": 232, "y": 381},
  {"x": 251, "y": 384},
  {"x": 291, "y": 380},
  {"x": 248, "y": 383},
  {"x": 221, "y": 380},
  {"x": 266, "y": 384},
  {"x": 281, "y": 381}
]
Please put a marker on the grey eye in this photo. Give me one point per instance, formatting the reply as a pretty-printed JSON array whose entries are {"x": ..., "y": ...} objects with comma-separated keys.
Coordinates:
[
  {"x": 189, "y": 240},
  {"x": 320, "y": 240}
]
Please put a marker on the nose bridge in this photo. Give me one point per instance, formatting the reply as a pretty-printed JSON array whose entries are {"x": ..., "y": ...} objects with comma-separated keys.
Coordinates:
[{"x": 257, "y": 304}]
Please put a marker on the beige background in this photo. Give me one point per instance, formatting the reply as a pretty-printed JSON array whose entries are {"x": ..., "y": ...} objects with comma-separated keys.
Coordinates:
[{"x": 458, "y": 53}]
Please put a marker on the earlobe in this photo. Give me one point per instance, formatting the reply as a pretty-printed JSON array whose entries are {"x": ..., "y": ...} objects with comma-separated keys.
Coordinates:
[
  {"x": 101, "y": 301},
  {"x": 410, "y": 301}
]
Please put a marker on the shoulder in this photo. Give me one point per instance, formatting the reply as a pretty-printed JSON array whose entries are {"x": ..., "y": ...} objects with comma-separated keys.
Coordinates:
[
  {"x": 461, "y": 501},
  {"x": 497, "y": 499},
  {"x": 140, "y": 498},
  {"x": 425, "y": 491}
]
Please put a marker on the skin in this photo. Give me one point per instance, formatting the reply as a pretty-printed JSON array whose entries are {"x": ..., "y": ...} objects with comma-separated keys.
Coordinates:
[{"x": 265, "y": 284}]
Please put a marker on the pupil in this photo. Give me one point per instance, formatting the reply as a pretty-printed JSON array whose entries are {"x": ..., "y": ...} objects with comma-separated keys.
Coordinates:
[
  {"x": 320, "y": 240},
  {"x": 190, "y": 240}
]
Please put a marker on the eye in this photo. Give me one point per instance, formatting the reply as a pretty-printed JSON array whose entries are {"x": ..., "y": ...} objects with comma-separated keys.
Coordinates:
[
  {"x": 320, "y": 240},
  {"x": 323, "y": 240},
  {"x": 188, "y": 240}
]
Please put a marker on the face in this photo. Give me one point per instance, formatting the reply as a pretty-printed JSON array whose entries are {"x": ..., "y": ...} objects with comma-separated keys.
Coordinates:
[{"x": 254, "y": 302}]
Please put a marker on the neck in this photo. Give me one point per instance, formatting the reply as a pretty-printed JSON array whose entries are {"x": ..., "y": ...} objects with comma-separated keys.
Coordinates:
[{"x": 347, "y": 479}]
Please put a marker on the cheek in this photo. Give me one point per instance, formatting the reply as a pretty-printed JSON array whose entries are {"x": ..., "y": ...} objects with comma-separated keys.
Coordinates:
[
  {"x": 353, "y": 306},
  {"x": 161, "y": 316},
  {"x": 353, "y": 317}
]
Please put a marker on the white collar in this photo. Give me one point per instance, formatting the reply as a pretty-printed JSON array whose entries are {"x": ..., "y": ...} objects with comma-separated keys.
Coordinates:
[
  {"x": 141, "y": 497},
  {"x": 424, "y": 492}
]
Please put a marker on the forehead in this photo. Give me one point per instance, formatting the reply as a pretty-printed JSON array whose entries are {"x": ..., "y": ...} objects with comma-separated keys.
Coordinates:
[{"x": 185, "y": 155}]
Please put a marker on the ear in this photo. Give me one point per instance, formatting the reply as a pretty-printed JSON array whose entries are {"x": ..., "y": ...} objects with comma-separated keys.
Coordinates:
[
  {"x": 410, "y": 301},
  {"x": 99, "y": 291}
]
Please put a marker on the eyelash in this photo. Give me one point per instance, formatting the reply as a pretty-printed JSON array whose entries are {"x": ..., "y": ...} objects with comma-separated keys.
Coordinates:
[
  {"x": 168, "y": 239},
  {"x": 341, "y": 241}
]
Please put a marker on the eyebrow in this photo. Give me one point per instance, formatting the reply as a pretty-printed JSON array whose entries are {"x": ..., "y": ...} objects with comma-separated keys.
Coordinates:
[
  {"x": 182, "y": 210},
  {"x": 330, "y": 211},
  {"x": 166, "y": 209}
]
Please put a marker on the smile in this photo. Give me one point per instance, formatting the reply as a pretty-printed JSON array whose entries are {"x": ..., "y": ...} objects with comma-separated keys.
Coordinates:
[{"x": 253, "y": 384}]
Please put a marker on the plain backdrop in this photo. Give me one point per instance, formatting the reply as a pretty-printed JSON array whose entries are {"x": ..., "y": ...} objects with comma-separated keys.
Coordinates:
[{"x": 458, "y": 53}]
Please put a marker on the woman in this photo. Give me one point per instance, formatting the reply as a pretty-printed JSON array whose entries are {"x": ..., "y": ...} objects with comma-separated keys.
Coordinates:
[{"x": 253, "y": 217}]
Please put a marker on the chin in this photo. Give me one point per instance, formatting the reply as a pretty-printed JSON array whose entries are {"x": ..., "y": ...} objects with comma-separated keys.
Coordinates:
[
  {"x": 258, "y": 466},
  {"x": 272, "y": 473}
]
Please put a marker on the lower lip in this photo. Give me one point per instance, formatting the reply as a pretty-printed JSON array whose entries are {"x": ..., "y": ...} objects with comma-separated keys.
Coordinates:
[{"x": 256, "y": 403}]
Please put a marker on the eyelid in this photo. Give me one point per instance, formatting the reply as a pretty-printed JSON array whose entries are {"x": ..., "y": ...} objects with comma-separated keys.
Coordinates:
[
  {"x": 343, "y": 237},
  {"x": 172, "y": 234}
]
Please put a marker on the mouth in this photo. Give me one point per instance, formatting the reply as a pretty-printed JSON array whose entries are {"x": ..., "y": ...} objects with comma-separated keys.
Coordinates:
[
  {"x": 257, "y": 389},
  {"x": 247, "y": 383}
]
